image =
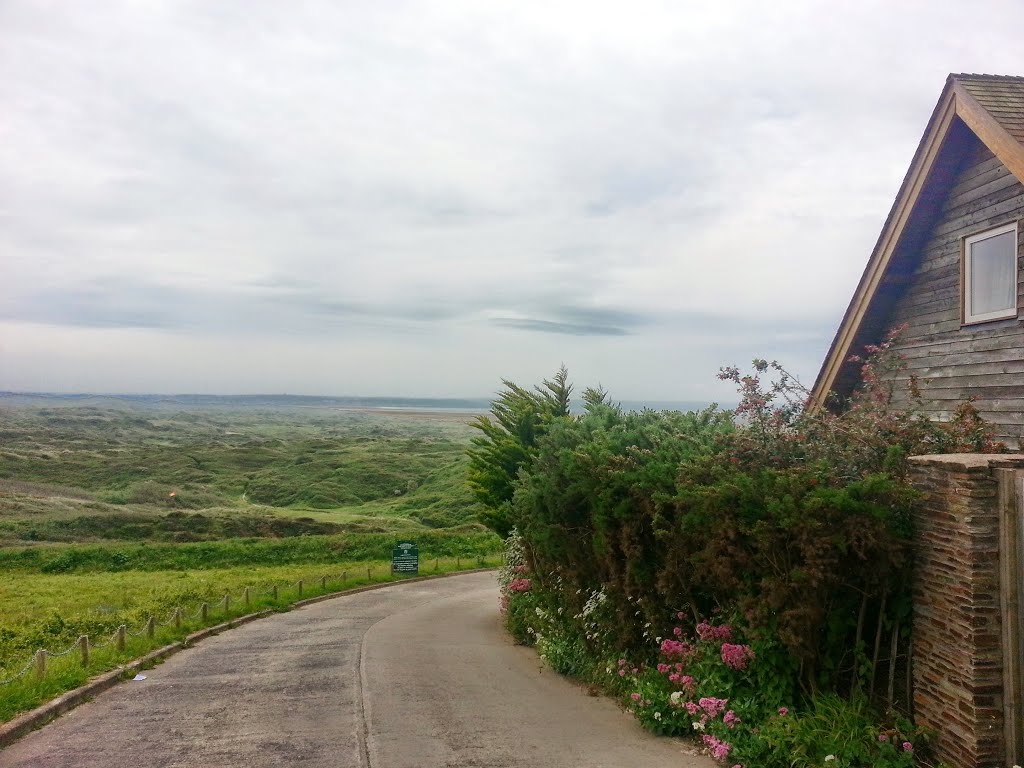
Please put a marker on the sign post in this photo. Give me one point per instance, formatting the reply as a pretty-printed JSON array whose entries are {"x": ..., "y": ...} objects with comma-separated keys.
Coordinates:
[{"x": 405, "y": 558}]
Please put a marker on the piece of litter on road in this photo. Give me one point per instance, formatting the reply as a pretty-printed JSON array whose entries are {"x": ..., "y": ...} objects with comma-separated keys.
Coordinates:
[{"x": 139, "y": 677}]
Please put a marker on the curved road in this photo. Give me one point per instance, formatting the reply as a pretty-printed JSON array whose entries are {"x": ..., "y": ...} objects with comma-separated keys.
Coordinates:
[{"x": 414, "y": 676}]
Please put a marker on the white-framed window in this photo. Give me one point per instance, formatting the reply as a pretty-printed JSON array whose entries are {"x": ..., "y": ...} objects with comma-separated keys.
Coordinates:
[{"x": 990, "y": 274}]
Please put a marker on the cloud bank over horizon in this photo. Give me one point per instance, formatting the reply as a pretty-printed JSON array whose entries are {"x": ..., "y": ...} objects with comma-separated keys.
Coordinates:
[{"x": 420, "y": 199}]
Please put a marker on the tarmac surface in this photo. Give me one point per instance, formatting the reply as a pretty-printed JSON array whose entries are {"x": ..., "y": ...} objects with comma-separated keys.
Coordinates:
[{"x": 418, "y": 675}]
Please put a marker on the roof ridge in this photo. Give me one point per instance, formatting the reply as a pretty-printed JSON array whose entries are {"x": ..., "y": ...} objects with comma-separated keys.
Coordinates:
[{"x": 978, "y": 76}]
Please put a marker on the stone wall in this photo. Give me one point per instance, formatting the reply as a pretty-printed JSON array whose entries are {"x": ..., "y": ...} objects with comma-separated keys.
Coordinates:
[{"x": 958, "y": 640}]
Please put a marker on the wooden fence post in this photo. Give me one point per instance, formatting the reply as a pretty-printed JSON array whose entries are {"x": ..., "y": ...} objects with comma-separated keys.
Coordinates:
[
  {"x": 275, "y": 593},
  {"x": 83, "y": 645},
  {"x": 227, "y": 602},
  {"x": 41, "y": 663},
  {"x": 300, "y": 587},
  {"x": 177, "y": 617},
  {"x": 122, "y": 632},
  {"x": 204, "y": 612},
  {"x": 368, "y": 576},
  {"x": 344, "y": 576},
  {"x": 323, "y": 583},
  {"x": 246, "y": 597},
  {"x": 150, "y": 627}
]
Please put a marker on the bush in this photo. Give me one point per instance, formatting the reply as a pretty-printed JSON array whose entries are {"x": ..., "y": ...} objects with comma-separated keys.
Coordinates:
[
  {"x": 792, "y": 522},
  {"x": 517, "y": 605},
  {"x": 831, "y": 731}
]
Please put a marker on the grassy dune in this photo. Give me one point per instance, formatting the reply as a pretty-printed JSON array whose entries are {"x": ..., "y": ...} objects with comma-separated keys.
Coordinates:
[{"x": 71, "y": 474}]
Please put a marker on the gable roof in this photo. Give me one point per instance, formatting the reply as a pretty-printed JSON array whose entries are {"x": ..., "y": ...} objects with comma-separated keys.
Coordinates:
[{"x": 992, "y": 107}]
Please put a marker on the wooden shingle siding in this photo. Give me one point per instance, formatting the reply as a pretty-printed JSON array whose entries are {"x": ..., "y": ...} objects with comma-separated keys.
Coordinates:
[{"x": 954, "y": 362}]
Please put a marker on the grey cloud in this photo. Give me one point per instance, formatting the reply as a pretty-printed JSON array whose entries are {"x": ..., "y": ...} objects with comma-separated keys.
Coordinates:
[
  {"x": 548, "y": 326},
  {"x": 129, "y": 303},
  {"x": 602, "y": 316},
  {"x": 701, "y": 179},
  {"x": 574, "y": 320}
]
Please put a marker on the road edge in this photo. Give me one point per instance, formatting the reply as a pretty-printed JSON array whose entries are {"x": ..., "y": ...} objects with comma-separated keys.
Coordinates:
[{"x": 36, "y": 718}]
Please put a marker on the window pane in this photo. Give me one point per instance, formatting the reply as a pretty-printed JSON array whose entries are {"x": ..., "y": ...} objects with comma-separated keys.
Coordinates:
[{"x": 993, "y": 274}]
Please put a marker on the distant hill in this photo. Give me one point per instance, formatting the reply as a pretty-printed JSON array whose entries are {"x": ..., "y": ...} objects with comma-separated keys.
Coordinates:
[{"x": 469, "y": 405}]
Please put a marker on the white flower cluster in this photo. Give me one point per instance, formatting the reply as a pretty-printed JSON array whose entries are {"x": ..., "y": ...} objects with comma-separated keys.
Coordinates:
[
  {"x": 595, "y": 601},
  {"x": 515, "y": 557}
]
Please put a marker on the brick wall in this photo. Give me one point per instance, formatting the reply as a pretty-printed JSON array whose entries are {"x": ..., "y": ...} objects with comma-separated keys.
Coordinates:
[{"x": 958, "y": 633}]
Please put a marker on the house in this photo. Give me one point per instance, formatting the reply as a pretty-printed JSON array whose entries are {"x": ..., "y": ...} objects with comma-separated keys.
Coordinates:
[{"x": 947, "y": 264}]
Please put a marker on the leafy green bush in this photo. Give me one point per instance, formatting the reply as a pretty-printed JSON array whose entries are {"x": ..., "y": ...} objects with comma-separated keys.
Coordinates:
[
  {"x": 831, "y": 731},
  {"x": 793, "y": 522},
  {"x": 517, "y": 604},
  {"x": 507, "y": 443}
]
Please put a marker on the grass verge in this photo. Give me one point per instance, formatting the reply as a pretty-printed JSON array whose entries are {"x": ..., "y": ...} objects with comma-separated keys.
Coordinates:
[{"x": 164, "y": 595}]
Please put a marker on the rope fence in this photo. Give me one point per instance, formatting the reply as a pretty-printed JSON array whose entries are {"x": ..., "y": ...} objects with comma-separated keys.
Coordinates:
[{"x": 84, "y": 644}]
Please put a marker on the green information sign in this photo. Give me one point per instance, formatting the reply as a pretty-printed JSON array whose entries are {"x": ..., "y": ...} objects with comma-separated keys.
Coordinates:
[{"x": 405, "y": 558}]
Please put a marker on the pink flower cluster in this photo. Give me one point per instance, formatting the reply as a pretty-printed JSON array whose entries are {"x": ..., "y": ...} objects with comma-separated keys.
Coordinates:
[
  {"x": 685, "y": 681},
  {"x": 731, "y": 719},
  {"x": 623, "y": 668},
  {"x": 676, "y": 649},
  {"x": 705, "y": 631},
  {"x": 737, "y": 656},
  {"x": 519, "y": 585},
  {"x": 712, "y": 706},
  {"x": 719, "y": 749}
]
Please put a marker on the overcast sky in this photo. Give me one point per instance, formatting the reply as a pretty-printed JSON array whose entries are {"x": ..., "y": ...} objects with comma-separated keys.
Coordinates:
[{"x": 403, "y": 198}]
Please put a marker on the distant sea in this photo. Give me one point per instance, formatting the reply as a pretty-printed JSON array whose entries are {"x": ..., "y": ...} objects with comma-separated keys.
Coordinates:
[{"x": 441, "y": 404}]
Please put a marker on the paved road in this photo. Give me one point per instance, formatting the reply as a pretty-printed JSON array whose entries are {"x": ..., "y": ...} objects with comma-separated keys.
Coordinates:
[{"x": 415, "y": 676}]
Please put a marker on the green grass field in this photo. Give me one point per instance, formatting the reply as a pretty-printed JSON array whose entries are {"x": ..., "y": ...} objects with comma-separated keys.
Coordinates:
[
  {"x": 115, "y": 512},
  {"x": 54, "y": 611}
]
